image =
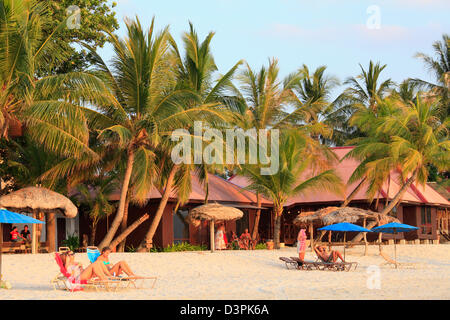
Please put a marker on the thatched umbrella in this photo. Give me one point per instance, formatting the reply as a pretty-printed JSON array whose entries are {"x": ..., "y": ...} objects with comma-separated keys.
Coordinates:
[
  {"x": 333, "y": 215},
  {"x": 37, "y": 199},
  {"x": 213, "y": 212}
]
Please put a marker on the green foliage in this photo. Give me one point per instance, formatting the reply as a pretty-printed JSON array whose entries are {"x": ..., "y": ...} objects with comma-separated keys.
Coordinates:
[
  {"x": 131, "y": 248},
  {"x": 261, "y": 246},
  {"x": 177, "y": 247},
  {"x": 95, "y": 16},
  {"x": 73, "y": 242}
]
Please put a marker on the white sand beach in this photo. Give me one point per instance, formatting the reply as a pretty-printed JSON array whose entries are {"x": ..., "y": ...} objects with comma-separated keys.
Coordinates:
[{"x": 247, "y": 275}]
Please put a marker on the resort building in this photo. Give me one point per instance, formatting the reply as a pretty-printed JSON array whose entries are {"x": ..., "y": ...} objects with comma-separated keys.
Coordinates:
[{"x": 420, "y": 206}]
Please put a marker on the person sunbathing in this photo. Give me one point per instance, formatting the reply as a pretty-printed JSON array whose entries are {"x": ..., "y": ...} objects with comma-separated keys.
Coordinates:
[
  {"x": 116, "y": 269},
  {"x": 76, "y": 270},
  {"x": 321, "y": 252}
]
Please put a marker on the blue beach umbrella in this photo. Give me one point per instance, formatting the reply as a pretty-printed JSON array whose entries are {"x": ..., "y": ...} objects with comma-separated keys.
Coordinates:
[
  {"x": 344, "y": 227},
  {"x": 394, "y": 227},
  {"x": 12, "y": 217}
]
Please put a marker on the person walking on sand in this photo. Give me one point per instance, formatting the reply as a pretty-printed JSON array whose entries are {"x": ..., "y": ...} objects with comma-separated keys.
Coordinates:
[
  {"x": 219, "y": 239},
  {"x": 301, "y": 244}
]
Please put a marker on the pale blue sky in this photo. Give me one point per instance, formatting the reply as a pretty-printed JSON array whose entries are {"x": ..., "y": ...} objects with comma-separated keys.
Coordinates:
[{"x": 321, "y": 32}]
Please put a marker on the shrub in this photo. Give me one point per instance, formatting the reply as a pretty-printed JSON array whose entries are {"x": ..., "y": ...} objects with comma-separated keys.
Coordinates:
[
  {"x": 260, "y": 246},
  {"x": 73, "y": 242},
  {"x": 177, "y": 247}
]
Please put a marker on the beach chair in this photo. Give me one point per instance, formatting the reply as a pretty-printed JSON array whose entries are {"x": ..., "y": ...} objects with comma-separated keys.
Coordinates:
[
  {"x": 295, "y": 263},
  {"x": 392, "y": 262},
  {"x": 137, "y": 282},
  {"x": 64, "y": 281},
  {"x": 335, "y": 266}
]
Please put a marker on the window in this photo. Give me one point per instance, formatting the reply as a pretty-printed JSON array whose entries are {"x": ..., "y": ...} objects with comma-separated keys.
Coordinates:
[
  {"x": 180, "y": 227},
  {"x": 425, "y": 219}
]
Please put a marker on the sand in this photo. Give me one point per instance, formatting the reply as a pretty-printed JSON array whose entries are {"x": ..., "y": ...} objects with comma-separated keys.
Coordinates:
[{"x": 249, "y": 275}]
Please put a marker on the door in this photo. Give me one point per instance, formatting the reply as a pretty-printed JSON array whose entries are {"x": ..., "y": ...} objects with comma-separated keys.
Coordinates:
[
  {"x": 61, "y": 231},
  {"x": 180, "y": 227},
  {"x": 242, "y": 224}
]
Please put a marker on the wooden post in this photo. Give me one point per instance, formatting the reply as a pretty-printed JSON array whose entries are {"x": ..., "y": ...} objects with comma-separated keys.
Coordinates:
[
  {"x": 311, "y": 236},
  {"x": 51, "y": 232},
  {"x": 33, "y": 235},
  {"x": 329, "y": 240},
  {"x": 366, "y": 247},
  {"x": 345, "y": 233},
  {"x": 211, "y": 234},
  {"x": 1, "y": 249}
]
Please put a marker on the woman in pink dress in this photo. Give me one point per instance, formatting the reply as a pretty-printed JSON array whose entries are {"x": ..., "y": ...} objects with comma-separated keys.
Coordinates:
[
  {"x": 220, "y": 243},
  {"x": 301, "y": 244}
]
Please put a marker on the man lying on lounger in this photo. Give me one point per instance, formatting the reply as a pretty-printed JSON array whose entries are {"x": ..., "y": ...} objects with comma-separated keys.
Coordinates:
[{"x": 321, "y": 252}]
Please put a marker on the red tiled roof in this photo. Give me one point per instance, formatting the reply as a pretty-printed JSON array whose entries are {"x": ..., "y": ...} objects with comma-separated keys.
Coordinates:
[
  {"x": 220, "y": 190},
  {"x": 415, "y": 194}
]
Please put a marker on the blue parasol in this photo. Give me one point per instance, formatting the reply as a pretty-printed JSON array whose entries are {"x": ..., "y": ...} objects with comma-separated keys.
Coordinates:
[
  {"x": 12, "y": 217},
  {"x": 394, "y": 227},
  {"x": 344, "y": 227}
]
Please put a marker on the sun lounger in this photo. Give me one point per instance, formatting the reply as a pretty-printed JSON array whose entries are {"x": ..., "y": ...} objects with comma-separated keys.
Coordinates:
[
  {"x": 392, "y": 262},
  {"x": 64, "y": 281},
  {"x": 335, "y": 266},
  {"x": 295, "y": 263},
  {"x": 137, "y": 282}
]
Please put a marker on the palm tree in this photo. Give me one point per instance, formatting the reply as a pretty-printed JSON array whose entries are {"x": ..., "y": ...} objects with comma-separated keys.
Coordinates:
[
  {"x": 23, "y": 53},
  {"x": 440, "y": 69},
  {"x": 366, "y": 90},
  {"x": 94, "y": 195},
  {"x": 193, "y": 74},
  {"x": 298, "y": 173},
  {"x": 259, "y": 103},
  {"x": 312, "y": 103}
]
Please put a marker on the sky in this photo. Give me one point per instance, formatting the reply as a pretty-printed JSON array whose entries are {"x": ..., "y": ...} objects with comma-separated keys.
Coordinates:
[{"x": 339, "y": 34}]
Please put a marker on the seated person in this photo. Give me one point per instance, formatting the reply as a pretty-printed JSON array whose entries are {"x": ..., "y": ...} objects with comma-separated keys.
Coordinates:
[
  {"x": 25, "y": 234},
  {"x": 245, "y": 239},
  {"x": 77, "y": 271},
  {"x": 321, "y": 252},
  {"x": 116, "y": 269},
  {"x": 15, "y": 235}
]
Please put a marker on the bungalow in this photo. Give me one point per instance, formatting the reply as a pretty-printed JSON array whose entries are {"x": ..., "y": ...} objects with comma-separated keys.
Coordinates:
[
  {"x": 173, "y": 228},
  {"x": 420, "y": 206}
]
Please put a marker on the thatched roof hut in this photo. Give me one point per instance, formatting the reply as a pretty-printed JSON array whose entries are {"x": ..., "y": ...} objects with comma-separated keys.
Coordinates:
[
  {"x": 332, "y": 215},
  {"x": 40, "y": 199},
  {"x": 213, "y": 212}
]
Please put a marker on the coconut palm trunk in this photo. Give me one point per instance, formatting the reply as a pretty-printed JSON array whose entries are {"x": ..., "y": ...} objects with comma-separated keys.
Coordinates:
[
  {"x": 353, "y": 193},
  {"x": 148, "y": 240},
  {"x": 258, "y": 214},
  {"x": 277, "y": 227},
  {"x": 391, "y": 205},
  {"x": 93, "y": 233},
  {"x": 123, "y": 225},
  {"x": 122, "y": 202},
  {"x": 400, "y": 193},
  {"x": 121, "y": 237}
]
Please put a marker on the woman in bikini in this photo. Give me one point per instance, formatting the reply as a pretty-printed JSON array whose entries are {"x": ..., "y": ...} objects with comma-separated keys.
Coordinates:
[
  {"x": 76, "y": 270},
  {"x": 321, "y": 252},
  {"x": 301, "y": 244},
  {"x": 116, "y": 269}
]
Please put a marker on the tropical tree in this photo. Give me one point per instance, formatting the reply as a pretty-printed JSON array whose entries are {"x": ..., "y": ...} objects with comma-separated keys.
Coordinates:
[
  {"x": 439, "y": 67},
  {"x": 313, "y": 104},
  {"x": 94, "y": 196},
  {"x": 299, "y": 172},
  {"x": 260, "y": 103},
  {"x": 194, "y": 74},
  {"x": 23, "y": 53}
]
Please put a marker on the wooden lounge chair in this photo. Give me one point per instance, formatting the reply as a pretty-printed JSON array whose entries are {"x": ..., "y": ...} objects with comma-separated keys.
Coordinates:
[
  {"x": 392, "y": 262},
  {"x": 64, "y": 281},
  {"x": 335, "y": 266},
  {"x": 137, "y": 282},
  {"x": 295, "y": 263}
]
